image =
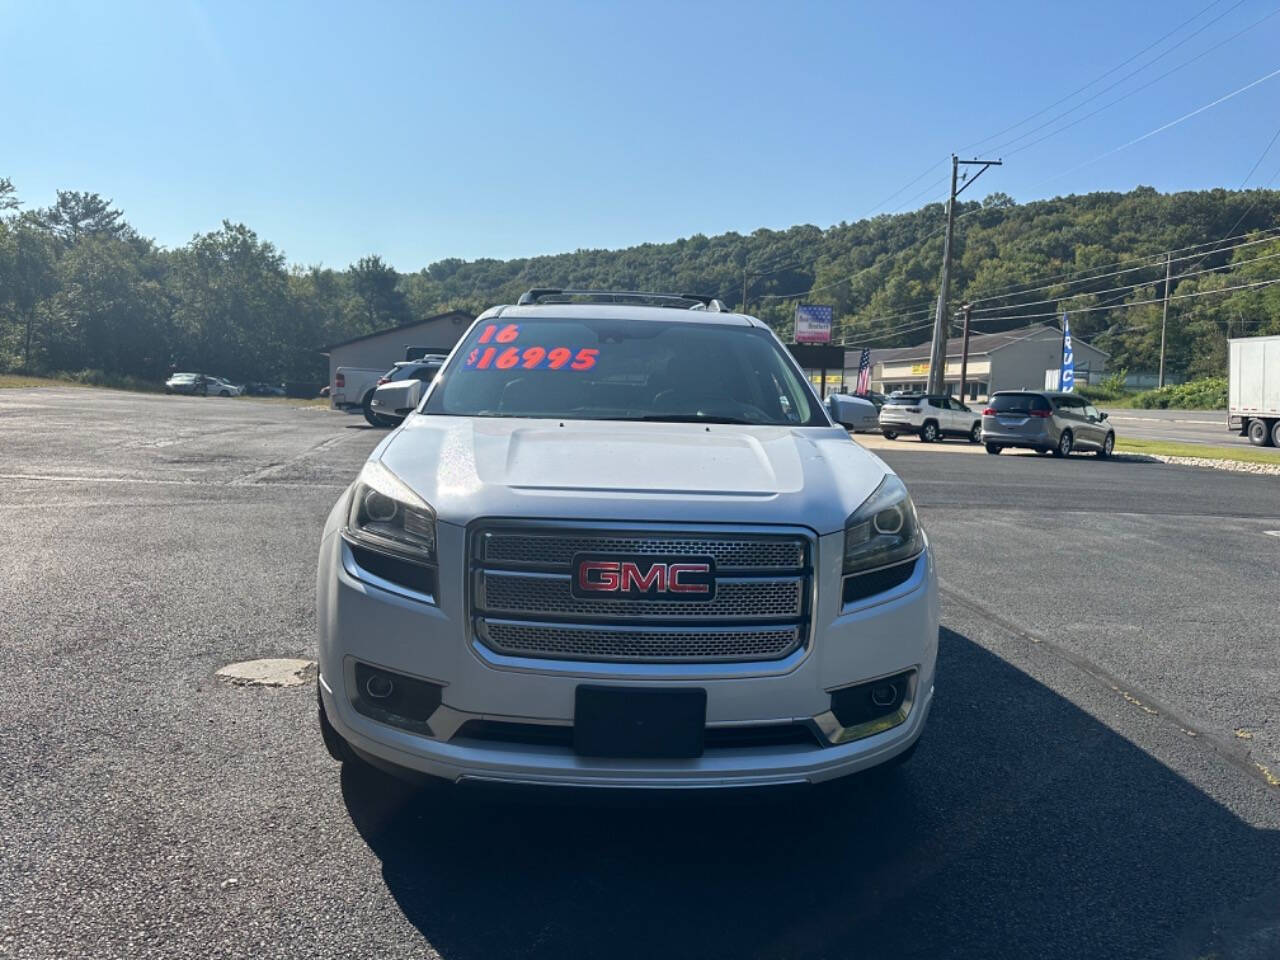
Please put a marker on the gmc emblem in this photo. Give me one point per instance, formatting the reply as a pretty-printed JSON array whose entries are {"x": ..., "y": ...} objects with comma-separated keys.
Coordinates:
[{"x": 604, "y": 576}]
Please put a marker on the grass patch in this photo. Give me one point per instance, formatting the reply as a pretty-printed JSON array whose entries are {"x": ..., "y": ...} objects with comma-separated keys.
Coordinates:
[
  {"x": 8, "y": 380},
  {"x": 1164, "y": 448}
]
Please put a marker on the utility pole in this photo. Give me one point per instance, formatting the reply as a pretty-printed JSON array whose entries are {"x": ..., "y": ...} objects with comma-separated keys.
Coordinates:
[
  {"x": 1164, "y": 321},
  {"x": 967, "y": 309},
  {"x": 938, "y": 352},
  {"x": 744, "y": 289}
]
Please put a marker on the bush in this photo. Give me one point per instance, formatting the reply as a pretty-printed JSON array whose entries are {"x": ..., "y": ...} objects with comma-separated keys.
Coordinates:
[{"x": 1207, "y": 393}]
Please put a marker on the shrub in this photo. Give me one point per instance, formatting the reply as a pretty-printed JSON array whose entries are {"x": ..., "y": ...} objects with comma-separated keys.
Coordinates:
[{"x": 1207, "y": 393}]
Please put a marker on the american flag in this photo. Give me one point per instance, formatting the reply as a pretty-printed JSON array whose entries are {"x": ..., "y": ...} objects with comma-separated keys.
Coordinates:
[{"x": 864, "y": 372}]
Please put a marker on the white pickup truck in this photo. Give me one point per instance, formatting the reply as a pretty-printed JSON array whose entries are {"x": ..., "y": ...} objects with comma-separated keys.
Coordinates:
[
  {"x": 622, "y": 544},
  {"x": 352, "y": 390},
  {"x": 1253, "y": 389}
]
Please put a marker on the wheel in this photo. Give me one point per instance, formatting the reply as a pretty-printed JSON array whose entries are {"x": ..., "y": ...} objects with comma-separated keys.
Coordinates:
[
  {"x": 375, "y": 419},
  {"x": 975, "y": 435},
  {"x": 1108, "y": 445},
  {"x": 890, "y": 434},
  {"x": 225, "y": 393},
  {"x": 1063, "y": 449},
  {"x": 994, "y": 449},
  {"x": 1259, "y": 435},
  {"x": 929, "y": 432},
  {"x": 1275, "y": 434},
  {"x": 337, "y": 747}
]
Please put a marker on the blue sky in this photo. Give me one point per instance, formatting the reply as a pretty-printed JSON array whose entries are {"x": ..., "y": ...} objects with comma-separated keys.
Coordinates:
[{"x": 420, "y": 131}]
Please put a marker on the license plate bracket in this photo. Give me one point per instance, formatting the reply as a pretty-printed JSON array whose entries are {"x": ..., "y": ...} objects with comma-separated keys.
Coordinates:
[{"x": 639, "y": 723}]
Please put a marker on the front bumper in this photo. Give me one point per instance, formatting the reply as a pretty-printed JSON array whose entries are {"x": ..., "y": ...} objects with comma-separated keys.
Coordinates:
[{"x": 362, "y": 622}]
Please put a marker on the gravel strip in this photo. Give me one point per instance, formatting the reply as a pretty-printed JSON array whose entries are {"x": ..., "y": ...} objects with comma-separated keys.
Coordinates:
[{"x": 1235, "y": 466}]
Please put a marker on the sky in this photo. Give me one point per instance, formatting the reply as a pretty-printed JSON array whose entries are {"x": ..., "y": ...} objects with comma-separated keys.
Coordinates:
[{"x": 420, "y": 131}]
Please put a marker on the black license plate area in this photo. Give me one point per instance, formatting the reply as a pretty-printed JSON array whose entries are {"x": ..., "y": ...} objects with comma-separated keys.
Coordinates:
[{"x": 623, "y": 722}]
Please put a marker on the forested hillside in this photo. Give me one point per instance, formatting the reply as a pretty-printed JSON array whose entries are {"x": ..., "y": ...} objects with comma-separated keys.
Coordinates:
[{"x": 80, "y": 288}]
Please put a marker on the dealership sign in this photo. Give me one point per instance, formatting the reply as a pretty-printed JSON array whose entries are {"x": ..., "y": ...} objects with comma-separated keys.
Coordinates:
[{"x": 813, "y": 323}]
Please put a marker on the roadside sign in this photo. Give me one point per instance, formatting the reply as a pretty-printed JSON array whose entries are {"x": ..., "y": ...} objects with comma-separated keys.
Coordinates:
[{"x": 813, "y": 323}]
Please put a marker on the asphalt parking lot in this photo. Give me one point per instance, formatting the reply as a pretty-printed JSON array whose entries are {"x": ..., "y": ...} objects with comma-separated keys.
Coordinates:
[{"x": 1100, "y": 776}]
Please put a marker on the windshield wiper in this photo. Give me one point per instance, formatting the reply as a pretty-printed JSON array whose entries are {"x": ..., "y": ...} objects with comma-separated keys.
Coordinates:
[{"x": 694, "y": 418}]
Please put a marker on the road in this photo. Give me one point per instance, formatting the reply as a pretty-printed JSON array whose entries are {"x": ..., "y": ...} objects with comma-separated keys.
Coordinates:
[
  {"x": 1081, "y": 789},
  {"x": 1182, "y": 426}
]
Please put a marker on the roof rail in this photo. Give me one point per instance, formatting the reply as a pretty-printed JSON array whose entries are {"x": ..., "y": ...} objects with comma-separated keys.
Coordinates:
[{"x": 695, "y": 301}]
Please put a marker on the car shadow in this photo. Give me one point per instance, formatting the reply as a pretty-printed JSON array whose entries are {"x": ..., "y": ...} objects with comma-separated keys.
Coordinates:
[{"x": 1023, "y": 827}]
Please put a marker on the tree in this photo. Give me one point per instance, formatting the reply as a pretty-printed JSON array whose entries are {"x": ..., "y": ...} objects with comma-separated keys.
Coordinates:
[
  {"x": 379, "y": 301},
  {"x": 77, "y": 214},
  {"x": 8, "y": 195},
  {"x": 233, "y": 308}
]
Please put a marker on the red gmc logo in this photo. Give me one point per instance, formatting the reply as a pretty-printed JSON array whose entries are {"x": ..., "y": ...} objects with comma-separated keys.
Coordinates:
[{"x": 639, "y": 578}]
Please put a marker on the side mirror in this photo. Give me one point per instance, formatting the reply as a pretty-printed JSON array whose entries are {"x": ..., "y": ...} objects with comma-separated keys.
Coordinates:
[{"x": 1102, "y": 416}]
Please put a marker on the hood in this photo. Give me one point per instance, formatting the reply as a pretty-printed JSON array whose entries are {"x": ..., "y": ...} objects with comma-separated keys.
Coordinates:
[{"x": 617, "y": 471}]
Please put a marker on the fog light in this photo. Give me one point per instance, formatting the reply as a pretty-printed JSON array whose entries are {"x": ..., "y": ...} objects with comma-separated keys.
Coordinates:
[
  {"x": 379, "y": 686},
  {"x": 394, "y": 698},
  {"x": 884, "y": 694}
]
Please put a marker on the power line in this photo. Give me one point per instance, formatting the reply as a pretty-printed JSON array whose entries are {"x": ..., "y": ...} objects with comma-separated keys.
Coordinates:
[
  {"x": 1128, "y": 76},
  {"x": 1119, "y": 66},
  {"x": 1132, "y": 286},
  {"x": 1018, "y": 288},
  {"x": 1139, "y": 303},
  {"x": 1160, "y": 129}
]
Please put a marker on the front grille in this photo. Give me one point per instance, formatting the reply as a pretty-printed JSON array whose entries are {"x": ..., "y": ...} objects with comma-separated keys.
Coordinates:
[
  {"x": 548, "y": 594},
  {"x": 572, "y": 642},
  {"x": 522, "y": 604},
  {"x": 557, "y": 550}
]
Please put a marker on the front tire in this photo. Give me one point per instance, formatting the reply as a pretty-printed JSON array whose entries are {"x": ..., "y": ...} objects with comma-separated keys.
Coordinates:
[
  {"x": 975, "y": 435},
  {"x": 1259, "y": 435},
  {"x": 994, "y": 449},
  {"x": 890, "y": 434},
  {"x": 374, "y": 419},
  {"x": 1065, "y": 443},
  {"x": 224, "y": 393},
  {"x": 1108, "y": 445},
  {"x": 929, "y": 432},
  {"x": 1275, "y": 434}
]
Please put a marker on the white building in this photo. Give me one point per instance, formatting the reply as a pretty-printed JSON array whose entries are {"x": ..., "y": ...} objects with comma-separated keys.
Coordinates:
[
  {"x": 1012, "y": 360},
  {"x": 381, "y": 350}
]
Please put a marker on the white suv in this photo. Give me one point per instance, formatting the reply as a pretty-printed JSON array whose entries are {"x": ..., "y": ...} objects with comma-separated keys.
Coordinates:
[
  {"x": 930, "y": 417},
  {"x": 622, "y": 544}
]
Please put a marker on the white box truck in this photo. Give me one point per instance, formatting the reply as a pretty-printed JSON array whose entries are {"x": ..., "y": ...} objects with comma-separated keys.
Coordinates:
[{"x": 1253, "y": 391}]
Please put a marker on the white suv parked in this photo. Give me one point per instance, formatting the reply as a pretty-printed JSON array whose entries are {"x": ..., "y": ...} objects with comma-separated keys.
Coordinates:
[
  {"x": 930, "y": 417},
  {"x": 622, "y": 544}
]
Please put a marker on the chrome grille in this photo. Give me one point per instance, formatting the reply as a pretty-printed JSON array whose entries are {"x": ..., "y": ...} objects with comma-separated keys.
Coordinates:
[
  {"x": 557, "y": 550},
  {"x": 522, "y": 604},
  {"x": 549, "y": 595},
  {"x": 570, "y": 642}
]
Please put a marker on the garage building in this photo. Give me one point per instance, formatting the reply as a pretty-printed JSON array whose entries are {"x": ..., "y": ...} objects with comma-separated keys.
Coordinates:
[
  {"x": 1012, "y": 360},
  {"x": 381, "y": 350}
]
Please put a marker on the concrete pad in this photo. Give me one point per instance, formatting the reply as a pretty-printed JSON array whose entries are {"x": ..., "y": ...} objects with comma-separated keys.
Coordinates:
[{"x": 282, "y": 672}]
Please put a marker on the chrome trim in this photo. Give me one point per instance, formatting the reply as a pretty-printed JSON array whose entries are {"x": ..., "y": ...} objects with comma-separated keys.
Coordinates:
[
  {"x": 695, "y": 611},
  {"x": 621, "y": 669},
  {"x": 893, "y": 593},
  {"x": 357, "y": 572},
  {"x": 475, "y": 600},
  {"x": 833, "y": 733}
]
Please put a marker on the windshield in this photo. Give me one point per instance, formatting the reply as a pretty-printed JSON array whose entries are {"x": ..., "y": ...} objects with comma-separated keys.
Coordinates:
[
  {"x": 1018, "y": 402},
  {"x": 593, "y": 369}
]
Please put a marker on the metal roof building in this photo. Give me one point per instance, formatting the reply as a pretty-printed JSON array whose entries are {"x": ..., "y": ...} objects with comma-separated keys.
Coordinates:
[
  {"x": 1010, "y": 360},
  {"x": 381, "y": 349}
]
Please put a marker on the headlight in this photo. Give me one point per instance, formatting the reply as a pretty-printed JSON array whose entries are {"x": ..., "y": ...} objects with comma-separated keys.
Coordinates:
[
  {"x": 386, "y": 516},
  {"x": 883, "y": 530}
]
